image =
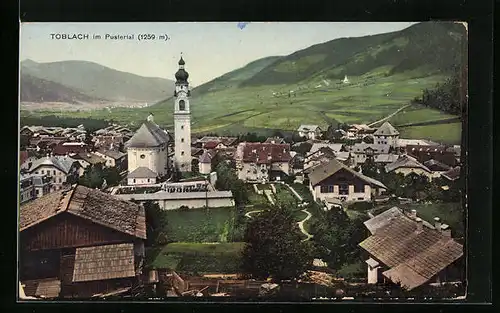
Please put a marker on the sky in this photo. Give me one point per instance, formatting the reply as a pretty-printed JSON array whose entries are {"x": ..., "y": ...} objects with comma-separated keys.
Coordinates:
[{"x": 209, "y": 49}]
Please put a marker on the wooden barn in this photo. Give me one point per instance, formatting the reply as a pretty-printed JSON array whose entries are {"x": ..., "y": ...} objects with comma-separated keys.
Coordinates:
[{"x": 79, "y": 243}]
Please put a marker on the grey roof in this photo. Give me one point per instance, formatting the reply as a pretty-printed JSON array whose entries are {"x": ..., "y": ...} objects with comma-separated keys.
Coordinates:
[
  {"x": 142, "y": 172},
  {"x": 405, "y": 161},
  {"x": 115, "y": 154},
  {"x": 385, "y": 158},
  {"x": 377, "y": 148},
  {"x": 205, "y": 157},
  {"x": 432, "y": 162},
  {"x": 148, "y": 135},
  {"x": 386, "y": 130},
  {"x": 452, "y": 174},
  {"x": 335, "y": 147},
  {"x": 382, "y": 219},
  {"x": 326, "y": 170},
  {"x": 63, "y": 163},
  {"x": 306, "y": 128}
]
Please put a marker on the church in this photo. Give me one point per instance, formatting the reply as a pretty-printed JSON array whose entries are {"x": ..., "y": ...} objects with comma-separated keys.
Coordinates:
[{"x": 149, "y": 148}]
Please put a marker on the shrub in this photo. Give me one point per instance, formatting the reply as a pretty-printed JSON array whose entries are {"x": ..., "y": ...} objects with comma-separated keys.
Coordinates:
[{"x": 360, "y": 206}]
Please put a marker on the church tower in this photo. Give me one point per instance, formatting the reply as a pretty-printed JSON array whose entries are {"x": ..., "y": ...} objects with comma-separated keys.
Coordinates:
[{"x": 182, "y": 120}]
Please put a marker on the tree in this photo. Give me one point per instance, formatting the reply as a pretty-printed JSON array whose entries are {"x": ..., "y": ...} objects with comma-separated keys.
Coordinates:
[
  {"x": 369, "y": 168},
  {"x": 336, "y": 237},
  {"x": 93, "y": 176},
  {"x": 24, "y": 142},
  {"x": 227, "y": 180},
  {"x": 111, "y": 175},
  {"x": 156, "y": 224},
  {"x": 303, "y": 148},
  {"x": 274, "y": 247}
]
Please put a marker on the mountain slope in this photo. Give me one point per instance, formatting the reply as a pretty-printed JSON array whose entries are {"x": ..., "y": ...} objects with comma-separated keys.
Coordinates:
[
  {"x": 431, "y": 44},
  {"x": 39, "y": 90},
  {"x": 234, "y": 78},
  {"x": 99, "y": 81}
]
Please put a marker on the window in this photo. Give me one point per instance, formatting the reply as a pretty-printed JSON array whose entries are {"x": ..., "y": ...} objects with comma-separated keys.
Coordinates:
[
  {"x": 182, "y": 152},
  {"x": 343, "y": 189},
  {"x": 326, "y": 189},
  {"x": 359, "y": 188},
  {"x": 142, "y": 156},
  {"x": 133, "y": 180},
  {"x": 54, "y": 172},
  {"x": 182, "y": 126},
  {"x": 43, "y": 172},
  {"x": 148, "y": 180},
  {"x": 182, "y": 139},
  {"x": 182, "y": 105},
  {"x": 37, "y": 192},
  {"x": 59, "y": 180}
]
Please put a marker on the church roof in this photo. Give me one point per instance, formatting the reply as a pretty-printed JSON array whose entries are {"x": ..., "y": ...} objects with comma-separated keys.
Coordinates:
[
  {"x": 386, "y": 130},
  {"x": 142, "y": 172},
  {"x": 148, "y": 135}
]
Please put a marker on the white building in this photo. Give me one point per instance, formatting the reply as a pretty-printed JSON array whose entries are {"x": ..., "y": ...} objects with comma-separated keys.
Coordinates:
[
  {"x": 205, "y": 162},
  {"x": 345, "y": 80},
  {"x": 141, "y": 176},
  {"x": 406, "y": 165},
  {"x": 182, "y": 120},
  {"x": 309, "y": 131},
  {"x": 60, "y": 169},
  {"x": 386, "y": 135},
  {"x": 148, "y": 148}
]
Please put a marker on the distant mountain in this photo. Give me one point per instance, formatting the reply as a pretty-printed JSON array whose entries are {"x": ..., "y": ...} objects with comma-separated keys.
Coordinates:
[
  {"x": 432, "y": 45},
  {"x": 98, "y": 81},
  {"x": 234, "y": 78},
  {"x": 39, "y": 90}
]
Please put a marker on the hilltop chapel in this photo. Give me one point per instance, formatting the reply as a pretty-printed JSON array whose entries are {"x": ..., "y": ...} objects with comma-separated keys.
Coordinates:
[{"x": 150, "y": 147}]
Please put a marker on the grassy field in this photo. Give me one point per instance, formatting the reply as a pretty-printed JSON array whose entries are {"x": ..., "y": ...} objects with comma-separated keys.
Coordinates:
[
  {"x": 449, "y": 213},
  {"x": 446, "y": 133},
  {"x": 200, "y": 225},
  {"x": 197, "y": 258},
  {"x": 275, "y": 107}
]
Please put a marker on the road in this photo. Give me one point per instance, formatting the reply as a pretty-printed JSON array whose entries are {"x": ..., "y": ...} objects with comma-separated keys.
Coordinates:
[
  {"x": 389, "y": 116},
  {"x": 301, "y": 225}
]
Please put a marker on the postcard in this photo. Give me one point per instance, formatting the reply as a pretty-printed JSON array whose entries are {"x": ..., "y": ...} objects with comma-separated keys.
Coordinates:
[{"x": 242, "y": 161}]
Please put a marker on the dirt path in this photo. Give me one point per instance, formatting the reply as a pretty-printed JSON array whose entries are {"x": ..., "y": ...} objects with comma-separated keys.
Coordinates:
[
  {"x": 248, "y": 213},
  {"x": 389, "y": 116},
  {"x": 301, "y": 225}
]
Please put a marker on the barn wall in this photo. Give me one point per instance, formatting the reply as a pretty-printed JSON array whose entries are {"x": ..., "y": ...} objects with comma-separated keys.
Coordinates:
[{"x": 68, "y": 231}]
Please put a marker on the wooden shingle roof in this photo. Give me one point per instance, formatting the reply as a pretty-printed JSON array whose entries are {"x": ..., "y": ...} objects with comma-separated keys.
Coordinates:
[
  {"x": 413, "y": 256},
  {"x": 94, "y": 205},
  {"x": 43, "y": 288},
  {"x": 104, "y": 262}
]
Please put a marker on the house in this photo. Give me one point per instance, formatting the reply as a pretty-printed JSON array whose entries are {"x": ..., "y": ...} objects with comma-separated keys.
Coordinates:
[
  {"x": 108, "y": 141},
  {"x": 80, "y": 242},
  {"x": 113, "y": 158},
  {"x": 89, "y": 159},
  {"x": 26, "y": 188},
  {"x": 64, "y": 148},
  {"x": 436, "y": 166},
  {"x": 407, "y": 250},
  {"x": 258, "y": 162},
  {"x": 336, "y": 180},
  {"x": 385, "y": 158},
  {"x": 362, "y": 151},
  {"x": 61, "y": 169},
  {"x": 335, "y": 147},
  {"x": 452, "y": 174},
  {"x": 415, "y": 142},
  {"x": 386, "y": 134},
  {"x": 205, "y": 162},
  {"x": 149, "y": 148},
  {"x": 226, "y": 141},
  {"x": 442, "y": 153},
  {"x": 43, "y": 184},
  {"x": 406, "y": 164},
  {"x": 275, "y": 140},
  {"x": 209, "y": 145},
  {"x": 310, "y": 131},
  {"x": 142, "y": 176},
  {"x": 320, "y": 156},
  {"x": 356, "y": 131}
]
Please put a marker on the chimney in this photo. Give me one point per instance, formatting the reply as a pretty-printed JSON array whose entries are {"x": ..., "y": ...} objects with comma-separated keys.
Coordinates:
[
  {"x": 413, "y": 214},
  {"x": 446, "y": 230},
  {"x": 420, "y": 224},
  {"x": 437, "y": 224}
]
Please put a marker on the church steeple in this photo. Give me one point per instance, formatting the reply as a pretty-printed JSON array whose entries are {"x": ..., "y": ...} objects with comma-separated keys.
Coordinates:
[{"x": 181, "y": 76}]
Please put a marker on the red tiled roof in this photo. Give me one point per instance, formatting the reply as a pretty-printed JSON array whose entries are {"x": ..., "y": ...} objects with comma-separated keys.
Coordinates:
[
  {"x": 413, "y": 256},
  {"x": 61, "y": 149},
  {"x": 265, "y": 153},
  {"x": 211, "y": 144},
  {"x": 23, "y": 156}
]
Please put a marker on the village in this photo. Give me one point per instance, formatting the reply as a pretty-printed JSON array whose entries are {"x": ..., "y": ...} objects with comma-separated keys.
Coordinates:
[{"x": 152, "y": 213}]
